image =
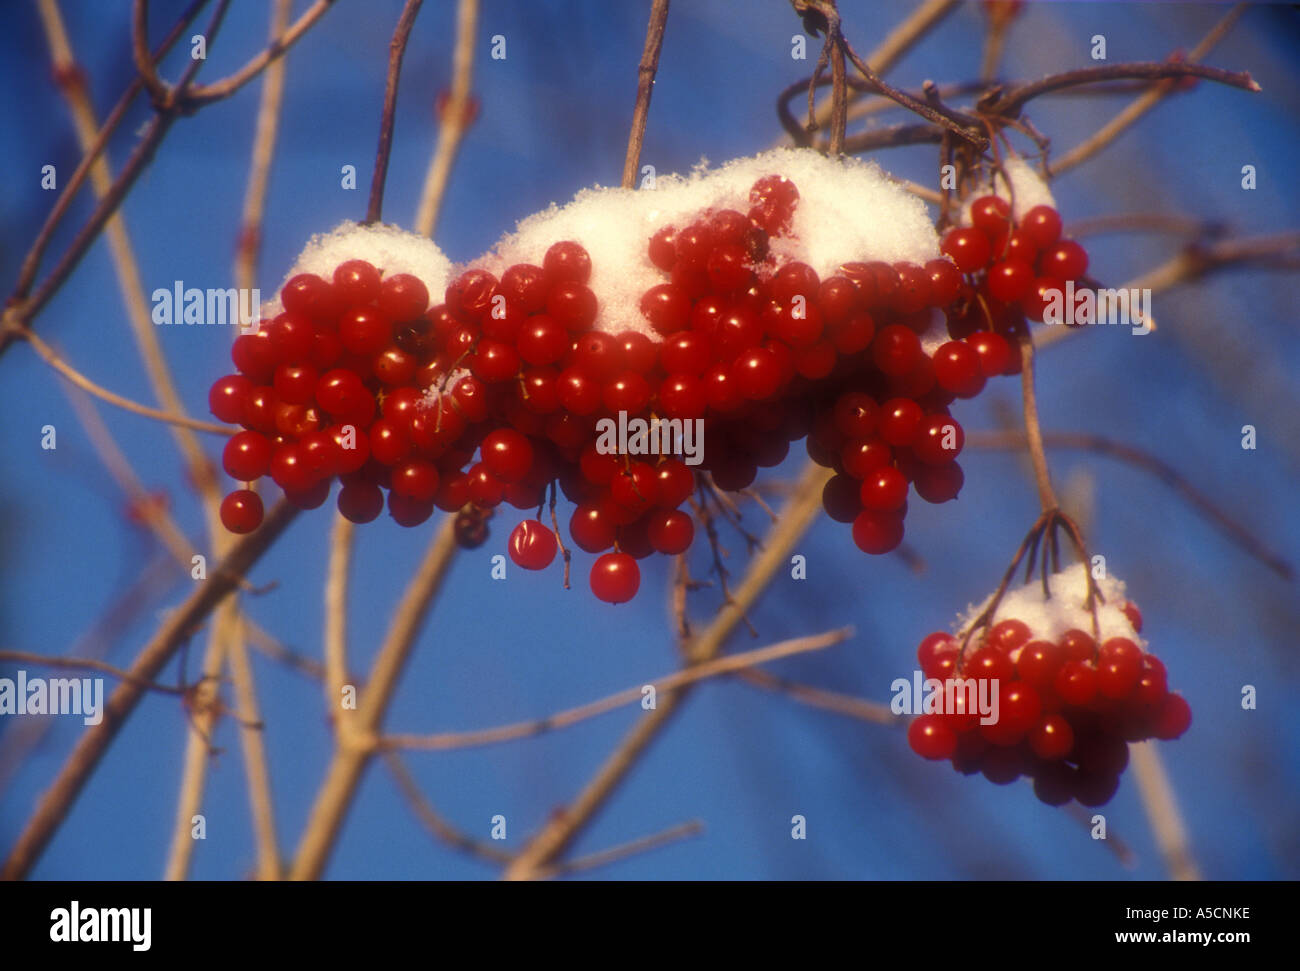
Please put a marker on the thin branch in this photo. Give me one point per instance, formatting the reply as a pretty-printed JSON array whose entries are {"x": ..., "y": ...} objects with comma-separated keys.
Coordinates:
[
  {"x": 797, "y": 515},
  {"x": 396, "y": 51},
  {"x": 646, "y": 70},
  {"x": 32, "y": 261},
  {"x": 336, "y": 625},
  {"x": 1144, "y": 102},
  {"x": 1033, "y": 432},
  {"x": 455, "y": 116},
  {"x": 834, "y": 701},
  {"x": 355, "y": 748},
  {"x": 1157, "y": 467},
  {"x": 433, "y": 820},
  {"x": 144, "y": 63},
  {"x": 1009, "y": 102},
  {"x": 257, "y": 772},
  {"x": 729, "y": 664},
  {"x": 178, "y": 628},
  {"x": 1161, "y": 805},
  {"x": 643, "y": 844},
  {"x": 203, "y": 94},
  {"x": 259, "y": 168},
  {"x": 51, "y": 357},
  {"x": 89, "y": 664}
]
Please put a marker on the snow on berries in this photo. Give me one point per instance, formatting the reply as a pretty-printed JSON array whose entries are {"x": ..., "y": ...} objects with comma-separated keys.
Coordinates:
[
  {"x": 1038, "y": 691},
  {"x": 777, "y": 298}
]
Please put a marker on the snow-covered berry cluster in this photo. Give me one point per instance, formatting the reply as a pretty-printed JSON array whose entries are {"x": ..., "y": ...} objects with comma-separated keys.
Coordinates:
[{"x": 1066, "y": 704}]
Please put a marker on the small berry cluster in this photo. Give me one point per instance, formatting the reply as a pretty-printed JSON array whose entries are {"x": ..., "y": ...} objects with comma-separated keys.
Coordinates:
[
  {"x": 1066, "y": 708},
  {"x": 1014, "y": 268}
]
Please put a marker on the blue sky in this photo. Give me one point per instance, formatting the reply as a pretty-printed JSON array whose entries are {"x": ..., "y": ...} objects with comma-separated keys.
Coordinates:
[{"x": 554, "y": 119}]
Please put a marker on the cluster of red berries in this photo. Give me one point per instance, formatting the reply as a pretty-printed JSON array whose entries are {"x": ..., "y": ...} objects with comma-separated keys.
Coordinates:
[
  {"x": 1066, "y": 709},
  {"x": 360, "y": 379}
]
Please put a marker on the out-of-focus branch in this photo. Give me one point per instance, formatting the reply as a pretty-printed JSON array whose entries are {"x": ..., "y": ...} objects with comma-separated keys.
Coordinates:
[
  {"x": 433, "y": 820},
  {"x": 838, "y": 702},
  {"x": 179, "y": 627},
  {"x": 1161, "y": 805},
  {"x": 1144, "y": 102},
  {"x": 455, "y": 116},
  {"x": 88, "y": 664},
  {"x": 729, "y": 664},
  {"x": 643, "y": 844}
]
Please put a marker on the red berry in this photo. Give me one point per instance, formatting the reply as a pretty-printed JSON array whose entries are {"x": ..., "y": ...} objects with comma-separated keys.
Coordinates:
[
  {"x": 938, "y": 483},
  {"x": 884, "y": 490},
  {"x": 758, "y": 374},
  {"x": 838, "y": 298},
  {"x": 1119, "y": 663},
  {"x": 1008, "y": 635},
  {"x": 900, "y": 421},
  {"x": 361, "y": 502},
  {"x": 408, "y": 512},
  {"x": 662, "y": 250},
  {"x": 356, "y": 282},
  {"x": 228, "y": 396},
  {"x": 365, "y": 330},
  {"x": 310, "y": 296},
  {"x": 615, "y": 578},
  {"x": 1018, "y": 710},
  {"x": 532, "y": 545},
  {"x": 1134, "y": 615},
  {"x": 914, "y": 291},
  {"x": 991, "y": 215},
  {"x": 1010, "y": 279},
  {"x": 737, "y": 330},
  {"x": 592, "y": 527},
  {"x": 1066, "y": 260},
  {"x": 415, "y": 479},
  {"x": 670, "y": 531},
  {"x": 255, "y": 356},
  {"x": 525, "y": 286},
  {"x": 247, "y": 456},
  {"x": 241, "y": 511},
  {"x": 403, "y": 297},
  {"x": 567, "y": 261},
  {"x": 1076, "y": 683},
  {"x": 507, "y": 454},
  {"x": 968, "y": 248},
  {"x": 1175, "y": 718},
  {"x": 939, "y": 440},
  {"x": 683, "y": 396},
  {"x": 957, "y": 369},
  {"x": 855, "y": 414},
  {"x": 674, "y": 483},
  {"x": 485, "y": 489},
  {"x": 863, "y": 457},
  {"x": 666, "y": 307},
  {"x": 1038, "y": 663},
  {"x": 579, "y": 393},
  {"x": 495, "y": 361},
  {"x": 1077, "y": 645},
  {"x": 1042, "y": 225},
  {"x": 840, "y": 498},
  {"x": 1051, "y": 737},
  {"x": 931, "y": 738},
  {"x": 896, "y": 350},
  {"x": 877, "y": 532},
  {"x": 572, "y": 304},
  {"x": 852, "y": 334},
  {"x": 995, "y": 354},
  {"x": 728, "y": 269},
  {"x": 945, "y": 282},
  {"x": 628, "y": 392},
  {"x": 988, "y": 663},
  {"x": 686, "y": 352}
]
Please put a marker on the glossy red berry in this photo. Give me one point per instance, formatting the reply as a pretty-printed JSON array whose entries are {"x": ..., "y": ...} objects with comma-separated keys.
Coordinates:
[
  {"x": 403, "y": 297},
  {"x": 1042, "y": 226},
  {"x": 532, "y": 545},
  {"x": 1066, "y": 260},
  {"x": 361, "y": 502},
  {"x": 241, "y": 511},
  {"x": 1039, "y": 662},
  {"x": 968, "y": 248},
  {"x": 507, "y": 454},
  {"x": 1076, "y": 683},
  {"x": 567, "y": 261},
  {"x": 877, "y": 532},
  {"x": 931, "y": 738},
  {"x": 227, "y": 398},
  {"x": 356, "y": 282},
  {"x": 939, "y": 440},
  {"x": 991, "y": 215},
  {"x": 957, "y": 369},
  {"x": 1010, "y": 279},
  {"x": 1008, "y": 635},
  {"x": 247, "y": 456},
  {"x": 1175, "y": 717},
  {"x": 1051, "y": 737},
  {"x": 670, "y": 531},
  {"x": 884, "y": 490},
  {"x": 896, "y": 350},
  {"x": 615, "y": 578}
]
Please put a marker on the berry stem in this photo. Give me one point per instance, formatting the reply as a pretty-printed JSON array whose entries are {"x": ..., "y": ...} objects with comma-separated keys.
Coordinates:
[
  {"x": 646, "y": 71},
  {"x": 1033, "y": 432},
  {"x": 396, "y": 51}
]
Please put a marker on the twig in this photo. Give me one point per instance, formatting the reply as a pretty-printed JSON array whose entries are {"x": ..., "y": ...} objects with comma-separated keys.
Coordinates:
[
  {"x": 51, "y": 357},
  {"x": 176, "y": 630},
  {"x": 336, "y": 600},
  {"x": 89, "y": 664},
  {"x": 841, "y": 704},
  {"x": 729, "y": 664},
  {"x": 1033, "y": 432},
  {"x": 433, "y": 820},
  {"x": 144, "y": 63},
  {"x": 396, "y": 51},
  {"x": 259, "y": 167},
  {"x": 31, "y": 262},
  {"x": 355, "y": 748},
  {"x": 1161, "y": 805},
  {"x": 797, "y": 515},
  {"x": 1162, "y": 470},
  {"x": 204, "y": 94},
  {"x": 646, "y": 70},
  {"x": 454, "y": 116},
  {"x": 1009, "y": 103},
  {"x": 256, "y": 770},
  {"x": 631, "y": 848},
  {"x": 1144, "y": 102}
]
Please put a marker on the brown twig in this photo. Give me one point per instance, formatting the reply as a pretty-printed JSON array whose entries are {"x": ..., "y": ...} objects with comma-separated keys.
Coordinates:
[
  {"x": 622, "y": 851},
  {"x": 730, "y": 664},
  {"x": 396, "y": 51},
  {"x": 90, "y": 664},
  {"x": 834, "y": 701},
  {"x": 433, "y": 820},
  {"x": 646, "y": 70},
  {"x": 54, "y": 804}
]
